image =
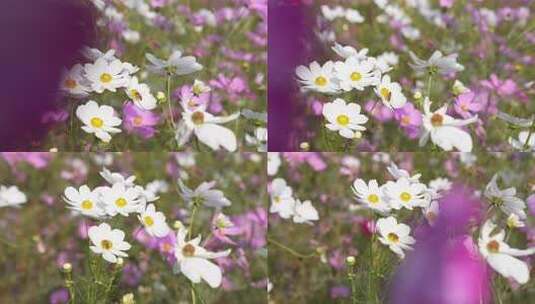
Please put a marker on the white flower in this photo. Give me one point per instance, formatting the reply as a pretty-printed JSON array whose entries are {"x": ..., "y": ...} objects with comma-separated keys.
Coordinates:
[
  {"x": 406, "y": 194},
  {"x": 430, "y": 212},
  {"x": 437, "y": 62},
  {"x": 74, "y": 83},
  {"x": 106, "y": 75},
  {"x": 438, "y": 186},
  {"x": 318, "y": 78},
  {"x": 513, "y": 221},
  {"x": 259, "y": 139},
  {"x": 117, "y": 178},
  {"x": 94, "y": 54},
  {"x": 11, "y": 196},
  {"x": 110, "y": 243},
  {"x": 349, "y": 51},
  {"x": 332, "y": 13},
  {"x": 85, "y": 201},
  {"x": 304, "y": 212},
  {"x": 505, "y": 199},
  {"x": 204, "y": 195},
  {"x": 176, "y": 64},
  {"x": 273, "y": 163},
  {"x": 520, "y": 143},
  {"x": 222, "y": 221},
  {"x": 121, "y": 200},
  {"x": 344, "y": 118},
  {"x": 398, "y": 173},
  {"x": 153, "y": 221},
  {"x": 395, "y": 236},
  {"x": 282, "y": 201},
  {"x": 98, "y": 120},
  {"x": 207, "y": 129},
  {"x": 157, "y": 186},
  {"x": 199, "y": 87},
  {"x": 445, "y": 130},
  {"x": 355, "y": 74},
  {"x": 371, "y": 195},
  {"x": 353, "y": 16},
  {"x": 500, "y": 256},
  {"x": 140, "y": 94},
  {"x": 193, "y": 260},
  {"x": 390, "y": 93}
]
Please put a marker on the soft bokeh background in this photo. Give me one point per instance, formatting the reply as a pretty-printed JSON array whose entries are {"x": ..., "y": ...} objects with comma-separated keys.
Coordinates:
[{"x": 42, "y": 235}]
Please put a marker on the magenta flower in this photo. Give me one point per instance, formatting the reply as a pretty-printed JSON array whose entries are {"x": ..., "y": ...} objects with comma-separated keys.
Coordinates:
[
  {"x": 189, "y": 100},
  {"x": 410, "y": 119},
  {"x": 139, "y": 121},
  {"x": 467, "y": 104},
  {"x": 38, "y": 160},
  {"x": 501, "y": 87}
]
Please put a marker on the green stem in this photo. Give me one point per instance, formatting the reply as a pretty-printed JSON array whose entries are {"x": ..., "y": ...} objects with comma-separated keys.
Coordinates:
[
  {"x": 526, "y": 144},
  {"x": 371, "y": 294},
  {"x": 429, "y": 84},
  {"x": 193, "y": 296},
  {"x": 192, "y": 220},
  {"x": 171, "y": 114},
  {"x": 290, "y": 250}
]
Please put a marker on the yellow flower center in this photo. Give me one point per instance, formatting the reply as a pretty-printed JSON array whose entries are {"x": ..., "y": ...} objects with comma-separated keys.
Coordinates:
[
  {"x": 355, "y": 76},
  {"x": 197, "y": 118},
  {"x": 120, "y": 202},
  {"x": 105, "y": 77},
  {"x": 320, "y": 81},
  {"x": 373, "y": 198},
  {"x": 405, "y": 197},
  {"x": 106, "y": 244},
  {"x": 97, "y": 122},
  {"x": 277, "y": 199},
  {"x": 437, "y": 120},
  {"x": 386, "y": 93},
  {"x": 197, "y": 89},
  {"x": 392, "y": 237},
  {"x": 188, "y": 250},
  {"x": 70, "y": 83},
  {"x": 135, "y": 95},
  {"x": 493, "y": 246},
  {"x": 87, "y": 204},
  {"x": 342, "y": 120},
  {"x": 149, "y": 221},
  {"x": 138, "y": 121}
]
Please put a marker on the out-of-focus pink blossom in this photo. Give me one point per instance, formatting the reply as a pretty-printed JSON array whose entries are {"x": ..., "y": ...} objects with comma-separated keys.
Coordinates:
[
  {"x": 410, "y": 119},
  {"x": 467, "y": 104},
  {"x": 139, "y": 121}
]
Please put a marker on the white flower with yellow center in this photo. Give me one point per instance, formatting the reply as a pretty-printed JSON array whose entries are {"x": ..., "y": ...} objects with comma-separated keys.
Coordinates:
[
  {"x": 121, "y": 200},
  {"x": 513, "y": 221},
  {"x": 107, "y": 242},
  {"x": 74, "y": 83},
  {"x": 207, "y": 129},
  {"x": 390, "y": 93},
  {"x": 406, "y": 194},
  {"x": 193, "y": 261},
  {"x": 395, "y": 236},
  {"x": 140, "y": 94},
  {"x": 318, "y": 78},
  {"x": 349, "y": 51},
  {"x": 11, "y": 196},
  {"x": 98, "y": 120},
  {"x": 436, "y": 63},
  {"x": 370, "y": 195},
  {"x": 344, "y": 118},
  {"x": 445, "y": 130},
  {"x": 500, "y": 256},
  {"x": 106, "y": 75},
  {"x": 304, "y": 213},
  {"x": 398, "y": 173},
  {"x": 282, "y": 201},
  {"x": 85, "y": 201},
  {"x": 117, "y": 178},
  {"x": 356, "y": 74},
  {"x": 153, "y": 221},
  {"x": 505, "y": 199}
]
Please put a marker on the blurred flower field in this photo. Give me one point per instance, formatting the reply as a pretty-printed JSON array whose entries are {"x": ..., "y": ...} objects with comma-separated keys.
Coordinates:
[
  {"x": 171, "y": 74},
  {"x": 79, "y": 226},
  {"x": 401, "y": 228}
]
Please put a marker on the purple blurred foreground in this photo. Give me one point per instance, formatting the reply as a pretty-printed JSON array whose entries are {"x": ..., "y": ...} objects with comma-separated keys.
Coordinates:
[
  {"x": 289, "y": 28},
  {"x": 39, "y": 37},
  {"x": 445, "y": 267}
]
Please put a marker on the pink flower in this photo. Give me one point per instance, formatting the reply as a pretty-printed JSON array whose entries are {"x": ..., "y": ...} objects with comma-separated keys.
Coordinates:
[
  {"x": 466, "y": 104},
  {"x": 410, "y": 119},
  {"x": 378, "y": 111},
  {"x": 139, "y": 121},
  {"x": 503, "y": 88},
  {"x": 446, "y": 3}
]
